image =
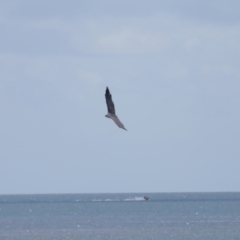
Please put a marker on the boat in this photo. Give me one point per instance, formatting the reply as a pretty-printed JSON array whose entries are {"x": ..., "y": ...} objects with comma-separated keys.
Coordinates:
[{"x": 146, "y": 198}]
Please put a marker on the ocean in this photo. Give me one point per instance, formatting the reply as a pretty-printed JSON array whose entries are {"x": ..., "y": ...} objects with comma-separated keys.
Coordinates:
[{"x": 202, "y": 216}]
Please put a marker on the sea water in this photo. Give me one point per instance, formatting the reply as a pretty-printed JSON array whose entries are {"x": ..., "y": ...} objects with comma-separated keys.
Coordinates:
[{"x": 120, "y": 216}]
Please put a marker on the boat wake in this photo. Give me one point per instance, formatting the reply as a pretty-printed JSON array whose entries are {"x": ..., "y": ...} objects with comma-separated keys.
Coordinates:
[
  {"x": 120, "y": 200},
  {"x": 135, "y": 199}
]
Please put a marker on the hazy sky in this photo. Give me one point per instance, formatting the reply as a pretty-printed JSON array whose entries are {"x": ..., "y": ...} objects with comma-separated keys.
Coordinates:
[{"x": 173, "y": 70}]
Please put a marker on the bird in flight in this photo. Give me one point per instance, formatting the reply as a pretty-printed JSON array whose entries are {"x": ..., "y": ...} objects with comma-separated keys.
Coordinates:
[{"x": 111, "y": 110}]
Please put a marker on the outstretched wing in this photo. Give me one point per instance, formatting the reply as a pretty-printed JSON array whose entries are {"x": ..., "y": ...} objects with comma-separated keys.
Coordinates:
[
  {"x": 110, "y": 104},
  {"x": 118, "y": 122}
]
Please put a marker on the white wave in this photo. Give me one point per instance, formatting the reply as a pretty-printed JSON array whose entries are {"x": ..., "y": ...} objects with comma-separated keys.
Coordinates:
[
  {"x": 118, "y": 200},
  {"x": 111, "y": 200},
  {"x": 105, "y": 200},
  {"x": 135, "y": 199}
]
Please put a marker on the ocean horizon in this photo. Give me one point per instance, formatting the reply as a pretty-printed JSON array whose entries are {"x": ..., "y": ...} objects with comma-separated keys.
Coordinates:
[{"x": 208, "y": 215}]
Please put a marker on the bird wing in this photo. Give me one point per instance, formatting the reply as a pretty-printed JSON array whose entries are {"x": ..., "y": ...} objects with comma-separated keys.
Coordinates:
[
  {"x": 117, "y": 121},
  {"x": 110, "y": 104}
]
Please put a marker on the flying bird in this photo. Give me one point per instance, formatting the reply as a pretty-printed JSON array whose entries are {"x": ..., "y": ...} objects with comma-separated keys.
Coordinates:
[{"x": 111, "y": 110}]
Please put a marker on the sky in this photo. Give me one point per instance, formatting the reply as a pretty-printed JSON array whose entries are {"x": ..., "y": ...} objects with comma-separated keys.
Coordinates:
[{"x": 172, "y": 68}]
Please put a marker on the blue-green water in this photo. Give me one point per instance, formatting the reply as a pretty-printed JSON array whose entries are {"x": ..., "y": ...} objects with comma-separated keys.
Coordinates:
[{"x": 120, "y": 216}]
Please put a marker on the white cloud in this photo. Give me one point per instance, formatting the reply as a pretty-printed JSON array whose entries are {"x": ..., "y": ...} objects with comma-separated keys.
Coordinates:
[
  {"x": 130, "y": 41},
  {"x": 147, "y": 35}
]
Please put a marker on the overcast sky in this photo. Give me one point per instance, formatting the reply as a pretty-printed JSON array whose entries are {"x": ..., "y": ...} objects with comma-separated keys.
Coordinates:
[{"x": 173, "y": 70}]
